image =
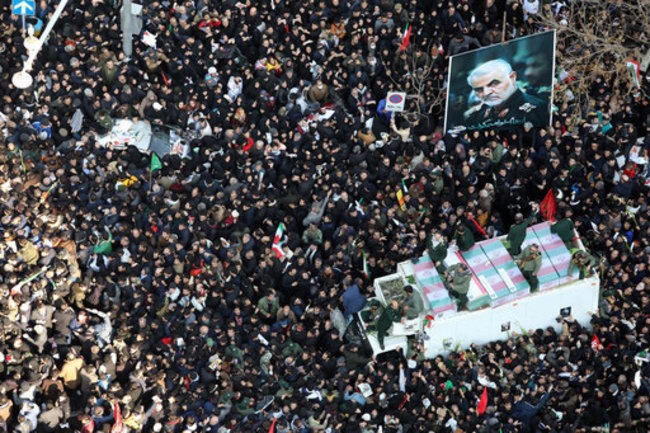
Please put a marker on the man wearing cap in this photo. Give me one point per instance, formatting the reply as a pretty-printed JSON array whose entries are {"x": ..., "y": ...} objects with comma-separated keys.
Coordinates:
[
  {"x": 379, "y": 319},
  {"x": 584, "y": 262},
  {"x": 530, "y": 263},
  {"x": 517, "y": 232},
  {"x": 458, "y": 278}
]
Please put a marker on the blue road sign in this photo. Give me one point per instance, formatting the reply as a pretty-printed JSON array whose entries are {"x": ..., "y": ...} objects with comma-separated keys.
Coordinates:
[{"x": 23, "y": 7}]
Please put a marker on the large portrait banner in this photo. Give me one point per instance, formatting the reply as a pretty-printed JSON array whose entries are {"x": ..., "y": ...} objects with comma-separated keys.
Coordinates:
[{"x": 502, "y": 86}]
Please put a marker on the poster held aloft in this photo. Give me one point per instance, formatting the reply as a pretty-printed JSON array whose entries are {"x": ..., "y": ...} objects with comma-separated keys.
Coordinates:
[
  {"x": 395, "y": 101},
  {"x": 502, "y": 86}
]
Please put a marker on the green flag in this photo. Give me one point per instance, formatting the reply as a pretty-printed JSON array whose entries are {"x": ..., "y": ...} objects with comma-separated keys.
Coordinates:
[{"x": 155, "y": 162}]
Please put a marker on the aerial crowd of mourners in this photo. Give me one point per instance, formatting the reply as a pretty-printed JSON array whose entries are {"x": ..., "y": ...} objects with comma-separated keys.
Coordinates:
[{"x": 142, "y": 297}]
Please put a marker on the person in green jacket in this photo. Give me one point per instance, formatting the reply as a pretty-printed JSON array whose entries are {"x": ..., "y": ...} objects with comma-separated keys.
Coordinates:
[
  {"x": 583, "y": 261},
  {"x": 517, "y": 233},
  {"x": 268, "y": 306},
  {"x": 103, "y": 117},
  {"x": 104, "y": 246},
  {"x": 244, "y": 406},
  {"x": 437, "y": 249},
  {"x": 458, "y": 277},
  {"x": 291, "y": 348},
  {"x": 379, "y": 319},
  {"x": 530, "y": 263},
  {"x": 464, "y": 237},
  {"x": 413, "y": 304},
  {"x": 564, "y": 228}
]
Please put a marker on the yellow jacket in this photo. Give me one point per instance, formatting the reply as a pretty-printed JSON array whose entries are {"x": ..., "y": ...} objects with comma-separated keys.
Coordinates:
[
  {"x": 29, "y": 254},
  {"x": 70, "y": 373}
]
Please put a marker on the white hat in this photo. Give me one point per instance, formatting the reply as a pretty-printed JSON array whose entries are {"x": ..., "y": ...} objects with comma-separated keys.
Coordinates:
[
  {"x": 157, "y": 427},
  {"x": 212, "y": 70},
  {"x": 157, "y": 106},
  {"x": 235, "y": 214},
  {"x": 366, "y": 417}
]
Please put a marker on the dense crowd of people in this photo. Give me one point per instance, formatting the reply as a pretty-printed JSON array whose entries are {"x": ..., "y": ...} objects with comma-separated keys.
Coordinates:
[{"x": 138, "y": 303}]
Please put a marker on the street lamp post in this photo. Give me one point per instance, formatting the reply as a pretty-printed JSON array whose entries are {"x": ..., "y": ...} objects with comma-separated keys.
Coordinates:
[{"x": 22, "y": 79}]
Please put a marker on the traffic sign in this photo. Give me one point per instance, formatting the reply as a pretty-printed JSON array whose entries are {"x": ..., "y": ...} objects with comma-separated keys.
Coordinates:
[
  {"x": 395, "y": 101},
  {"x": 23, "y": 7}
]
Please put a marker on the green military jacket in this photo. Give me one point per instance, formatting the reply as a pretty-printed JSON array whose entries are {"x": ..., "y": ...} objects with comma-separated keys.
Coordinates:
[
  {"x": 437, "y": 253},
  {"x": 415, "y": 304},
  {"x": 530, "y": 262},
  {"x": 265, "y": 307},
  {"x": 460, "y": 279},
  {"x": 517, "y": 235},
  {"x": 564, "y": 229},
  {"x": 466, "y": 240}
]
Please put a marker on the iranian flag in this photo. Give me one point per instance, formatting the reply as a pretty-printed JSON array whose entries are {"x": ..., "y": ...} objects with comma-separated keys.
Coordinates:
[
  {"x": 634, "y": 69},
  {"x": 596, "y": 344},
  {"x": 366, "y": 271},
  {"x": 278, "y": 240},
  {"x": 407, "y": 36},
  {"x": 482, "y": 404},
  {"x": 118, "y": 427}
]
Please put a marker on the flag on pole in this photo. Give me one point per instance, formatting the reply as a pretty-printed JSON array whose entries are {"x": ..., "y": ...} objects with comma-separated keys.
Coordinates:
[
  {"x": 477, "y": 225},
  {"x": 482, "y": 404},
  {"x": 278, "y": 240},
  {"x": 46, "y": 194},
  {"x": 366, "y": 271},
  {"x": 118, "y": 427},
  {"x": 596, "y": 344},
  {"x": 155, "y": 162},
  {"x": 548, "y": 206},
  {"x": 273, "y": 425},
  {"x": 165, "y": 78},
  {"x": 357, "y": 206},
  {"x": 407, "y": 36},
  {"x": 400, "y": 199},
  {"x": 22, "y": 161},
  {"x": 633, "y": 67}
]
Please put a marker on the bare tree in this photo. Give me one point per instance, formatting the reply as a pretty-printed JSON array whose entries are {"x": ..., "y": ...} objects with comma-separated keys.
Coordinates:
[
  {"x": 424, "y": 91},
  {"x": 595, "y": 38}
]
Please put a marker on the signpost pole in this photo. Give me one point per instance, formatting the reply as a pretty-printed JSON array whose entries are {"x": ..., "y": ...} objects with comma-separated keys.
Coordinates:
[
  {"x": 43, "y": 38},
  {"x": 127, "y": 35},
  {"x": 23, "y": 16}
]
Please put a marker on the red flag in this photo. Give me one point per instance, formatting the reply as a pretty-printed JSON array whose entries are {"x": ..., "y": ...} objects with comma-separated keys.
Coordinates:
[
  {"x": 548, "y": 206},
  {"x": 118, "y": 427},
  {"x": 407, "y": 36},
  {"x": 249, "y": 144},
  {"x": 477, "y": 225},
  {"x": 482, "y": 404},
  {"x": 596, "y": 344},
  {"x": 273, "y": 425}
]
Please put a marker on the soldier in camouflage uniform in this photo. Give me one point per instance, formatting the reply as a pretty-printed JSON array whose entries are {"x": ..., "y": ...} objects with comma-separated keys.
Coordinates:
[
  {"x": 457, "y": 279},
  {"x": 530, "y": 263}
]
